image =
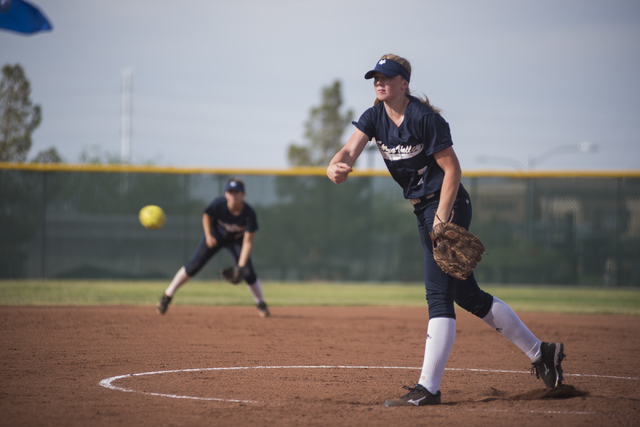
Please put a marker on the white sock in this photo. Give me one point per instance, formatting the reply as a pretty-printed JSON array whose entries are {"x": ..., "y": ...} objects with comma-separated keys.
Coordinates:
[
  {"x": 441, "y": 333},
  {"x": 256, "y": 291},
  {"x": 504, "y": 320},
  {"x": 179, "y": 279}
]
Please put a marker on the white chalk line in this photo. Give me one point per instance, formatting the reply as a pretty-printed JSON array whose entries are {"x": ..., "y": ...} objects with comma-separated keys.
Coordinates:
[
  {"x": 108, "y": 383},
  {"x": 526, "y": 372}
]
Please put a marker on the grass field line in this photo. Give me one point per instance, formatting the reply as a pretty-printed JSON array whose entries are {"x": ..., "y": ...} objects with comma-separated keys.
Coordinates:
[{"x": 551, "y": 299}]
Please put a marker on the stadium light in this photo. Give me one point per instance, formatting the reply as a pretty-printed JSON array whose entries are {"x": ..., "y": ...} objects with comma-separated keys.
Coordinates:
[
  {"x": 125, "y": 119},
  {"x": 502, "y": 160},
  {"x": 581, "y": 147},
  {"x": 533, "y": 161}
]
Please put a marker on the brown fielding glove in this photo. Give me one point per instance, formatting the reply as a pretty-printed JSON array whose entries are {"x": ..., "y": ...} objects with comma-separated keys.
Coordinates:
[
  {"x": 232, "y": 275},
  {"x": 457, "y": 252}
]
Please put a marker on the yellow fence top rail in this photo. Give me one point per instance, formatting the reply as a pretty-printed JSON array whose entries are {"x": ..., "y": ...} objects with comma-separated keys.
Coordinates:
[{"x": 309, "y": 170}]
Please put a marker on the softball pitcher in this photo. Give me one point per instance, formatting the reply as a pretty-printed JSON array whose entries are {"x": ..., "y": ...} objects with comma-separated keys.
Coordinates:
[
  {"x": 230, "y": 223},
  {"x": 416, "y": 145}
]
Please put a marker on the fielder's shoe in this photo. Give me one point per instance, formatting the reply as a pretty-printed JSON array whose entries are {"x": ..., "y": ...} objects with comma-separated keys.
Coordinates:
[
  {"x": 163, "y": 304},
  {"x": 263, "y": 310},
  {"x": 417, "y": 396},
  {"x": 547, "y": 366}
]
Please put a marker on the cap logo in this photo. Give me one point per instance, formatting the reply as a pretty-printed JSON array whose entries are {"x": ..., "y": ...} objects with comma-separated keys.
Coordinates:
[
  {"x": 233, "y": 184},
  {"x": 389, "y": 68}
]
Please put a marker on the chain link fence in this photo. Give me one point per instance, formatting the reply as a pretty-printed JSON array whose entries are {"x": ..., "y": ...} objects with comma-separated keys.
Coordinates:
[{"x": 66, "y": 222}]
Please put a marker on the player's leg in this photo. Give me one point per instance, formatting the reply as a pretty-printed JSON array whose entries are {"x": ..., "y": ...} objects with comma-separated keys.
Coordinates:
[
  {"x": 256, "y": 291},
  {"x": 441, "y": 330},
  {"x": 253, "y": 283},
  {"x": 545, "y": 357},
  {"x": 179, "y": 279},
  {"x": 504, "y": 320},
  {"x": 202, "y": 254}
]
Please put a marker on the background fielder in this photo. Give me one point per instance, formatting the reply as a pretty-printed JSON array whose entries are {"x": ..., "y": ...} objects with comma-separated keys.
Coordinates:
[{"x": 230, "y": 223}]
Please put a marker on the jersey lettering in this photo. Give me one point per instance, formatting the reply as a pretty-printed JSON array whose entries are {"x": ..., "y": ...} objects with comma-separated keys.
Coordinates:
[
  {"x": 232, "y": 228},
  {"x": 400, "y": 152}
]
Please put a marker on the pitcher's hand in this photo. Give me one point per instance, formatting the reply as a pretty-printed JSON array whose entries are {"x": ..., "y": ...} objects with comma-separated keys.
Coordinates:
[{"x": 339, "y": 172}]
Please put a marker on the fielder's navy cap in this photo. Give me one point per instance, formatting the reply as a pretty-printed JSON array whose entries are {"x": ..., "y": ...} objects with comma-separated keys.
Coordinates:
[
  {"x": 389, "y": 68},
  {"x": 234, "y": 186}
]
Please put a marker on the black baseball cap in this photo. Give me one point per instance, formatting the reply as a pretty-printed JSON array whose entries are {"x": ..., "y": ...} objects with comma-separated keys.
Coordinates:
[
  {"x": 234, "y": 186},
  {"x": 389, "y": 68}
]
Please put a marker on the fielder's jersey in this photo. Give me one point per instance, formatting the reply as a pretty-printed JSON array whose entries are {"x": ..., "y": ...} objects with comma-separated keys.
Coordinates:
[
  {"x": 408, "y": 150},
  {"x": 225, "y": 225}
]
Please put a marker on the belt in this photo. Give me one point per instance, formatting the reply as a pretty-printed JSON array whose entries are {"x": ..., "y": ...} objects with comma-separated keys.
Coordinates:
[{"x": 421, "y": 199}]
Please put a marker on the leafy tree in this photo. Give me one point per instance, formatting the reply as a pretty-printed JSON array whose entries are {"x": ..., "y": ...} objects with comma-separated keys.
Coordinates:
[
  {"x": 48, "y": 156},
  {"x": 312, "y": 206},
  {"x": 324, "y": 130},
  {"x": 18, "y": 116},
  {"x": 95, "y": 156}
]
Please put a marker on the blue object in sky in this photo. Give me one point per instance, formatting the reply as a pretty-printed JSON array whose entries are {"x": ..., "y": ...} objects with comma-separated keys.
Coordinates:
[{"x": 22, "y": 17}]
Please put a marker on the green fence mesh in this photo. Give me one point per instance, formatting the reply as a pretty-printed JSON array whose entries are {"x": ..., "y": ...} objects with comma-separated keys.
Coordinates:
[{"x": 563, "y": 230}]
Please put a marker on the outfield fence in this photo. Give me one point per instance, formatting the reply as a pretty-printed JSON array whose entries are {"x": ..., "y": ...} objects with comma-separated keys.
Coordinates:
[{"x": 81, "y": 221}]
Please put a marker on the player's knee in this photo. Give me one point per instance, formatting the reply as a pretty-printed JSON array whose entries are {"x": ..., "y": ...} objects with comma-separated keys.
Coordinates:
[
  {"x": 250, "y": 277},
  {"x": 477, "y": 303},
  {"x": 441, "y": 307},
  {"x": 192, "y": 269}
]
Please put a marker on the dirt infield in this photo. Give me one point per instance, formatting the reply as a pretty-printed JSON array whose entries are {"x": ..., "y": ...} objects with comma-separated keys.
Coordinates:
[{"x": 72, "y": 366}]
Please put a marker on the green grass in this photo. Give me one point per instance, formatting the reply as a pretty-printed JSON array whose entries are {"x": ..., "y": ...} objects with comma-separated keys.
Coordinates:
[{"x": 534, "y": 299}]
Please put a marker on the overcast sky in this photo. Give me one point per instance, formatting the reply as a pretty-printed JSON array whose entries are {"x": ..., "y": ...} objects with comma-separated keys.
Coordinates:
[{"x": 230, "y": 84}]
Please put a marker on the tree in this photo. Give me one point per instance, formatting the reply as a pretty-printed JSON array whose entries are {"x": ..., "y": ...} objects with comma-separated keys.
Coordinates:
[
  {"x": 18, "y": 117},
  {"x": 338, "y": 214},
  {"x": 94, "y": 155},
  {"x": 324, "y": 130},
  {"x": 48, "y": 156}
]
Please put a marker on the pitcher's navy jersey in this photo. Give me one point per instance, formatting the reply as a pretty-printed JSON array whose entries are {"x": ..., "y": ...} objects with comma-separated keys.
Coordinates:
[
  {"x": 408, "y": 150},
  {"x": 225, "y": 225}
]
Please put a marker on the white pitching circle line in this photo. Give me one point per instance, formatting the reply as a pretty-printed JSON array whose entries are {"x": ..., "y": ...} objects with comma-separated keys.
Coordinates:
[{"x": 107, "y": 382}]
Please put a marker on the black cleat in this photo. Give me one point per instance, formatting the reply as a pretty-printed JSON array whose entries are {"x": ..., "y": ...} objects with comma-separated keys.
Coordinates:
[
  {"x": 417, "y": 396},
  {"x": 263, "y": 310},
  {"x": 163, "y": 304},
  {"x": 547, "y": 366}
]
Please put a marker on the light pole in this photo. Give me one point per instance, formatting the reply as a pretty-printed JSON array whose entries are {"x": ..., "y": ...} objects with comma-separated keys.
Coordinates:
[
  {"x": 125, "y": 129},
  {"x": 580, "y": 147},
  {"x": 535, "y": 160},
  {"x": 502, "y": 160}
]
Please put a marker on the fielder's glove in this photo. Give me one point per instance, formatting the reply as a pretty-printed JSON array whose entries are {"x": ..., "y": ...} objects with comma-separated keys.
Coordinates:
[
  {"x": 232, "y": 275},
  {"x": 455, "y": 250}
]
